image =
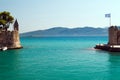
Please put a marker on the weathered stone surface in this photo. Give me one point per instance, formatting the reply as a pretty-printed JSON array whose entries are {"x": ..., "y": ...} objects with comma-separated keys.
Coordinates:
[
  {"x": 114, "y": 36},
  {"x": 10, "y": 39}
]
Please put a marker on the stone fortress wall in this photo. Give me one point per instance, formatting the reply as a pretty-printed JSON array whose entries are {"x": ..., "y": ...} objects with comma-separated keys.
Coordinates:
[
  {"x": 10, "y": 39},
  {"x": 114, "y": 35}
]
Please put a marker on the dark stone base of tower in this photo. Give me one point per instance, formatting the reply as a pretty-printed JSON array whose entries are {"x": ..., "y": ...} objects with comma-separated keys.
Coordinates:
[
  {"x": 10, "y": 39},
  {"x": 114, "y": 41}
]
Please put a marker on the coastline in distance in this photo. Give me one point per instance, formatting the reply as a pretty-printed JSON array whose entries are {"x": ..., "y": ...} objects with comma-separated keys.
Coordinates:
[{"x": 64, "y": 32}]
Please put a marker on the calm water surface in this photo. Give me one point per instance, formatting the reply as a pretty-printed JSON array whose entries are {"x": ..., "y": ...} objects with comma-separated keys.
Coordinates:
[{"x": 65, "y": 58}]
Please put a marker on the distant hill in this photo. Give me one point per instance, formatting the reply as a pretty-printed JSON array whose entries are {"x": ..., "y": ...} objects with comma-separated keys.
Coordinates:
[{"x": 61, "y": 31}]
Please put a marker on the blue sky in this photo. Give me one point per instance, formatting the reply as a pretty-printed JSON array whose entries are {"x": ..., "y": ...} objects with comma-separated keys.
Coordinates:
[{"x": 43, "y": 14}]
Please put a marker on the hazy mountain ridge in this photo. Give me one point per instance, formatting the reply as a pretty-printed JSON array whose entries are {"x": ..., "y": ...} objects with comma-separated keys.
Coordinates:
[{"x": 61, "y": 31}]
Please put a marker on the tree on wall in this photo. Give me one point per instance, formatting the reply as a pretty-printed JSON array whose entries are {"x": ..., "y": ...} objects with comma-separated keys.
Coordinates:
[{"x": 5, "y": 20}]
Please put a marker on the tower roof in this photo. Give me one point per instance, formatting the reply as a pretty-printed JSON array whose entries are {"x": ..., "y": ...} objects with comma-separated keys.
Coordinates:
[{"x": 16, "y": 23}]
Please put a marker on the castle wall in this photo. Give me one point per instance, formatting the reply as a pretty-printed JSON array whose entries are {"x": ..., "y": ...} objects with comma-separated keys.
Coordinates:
[
  {"x": 16, "y": 40},
  {"x": 5, "y": 38},
  {"x": 118, "y": 37},
  {"x": 113, "y": 35},
  {"x": 9, "y": 39}
]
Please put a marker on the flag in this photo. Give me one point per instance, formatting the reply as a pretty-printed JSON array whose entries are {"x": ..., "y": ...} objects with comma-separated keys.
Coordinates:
[{"x": 108, "y": 15}]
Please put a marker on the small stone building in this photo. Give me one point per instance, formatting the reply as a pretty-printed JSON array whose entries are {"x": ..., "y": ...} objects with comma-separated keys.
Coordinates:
[
  {"x": 9, "y": 38},
  {"x": 114, "y": 35}
]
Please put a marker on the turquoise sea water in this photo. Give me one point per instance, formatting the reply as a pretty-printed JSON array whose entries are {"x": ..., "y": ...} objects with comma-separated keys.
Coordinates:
[{"x": 60, "y": 58}]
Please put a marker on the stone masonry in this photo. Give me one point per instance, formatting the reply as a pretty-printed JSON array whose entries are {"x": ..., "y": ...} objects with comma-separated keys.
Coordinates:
[
  {"x": 9, "y": 38},
  {"x": 114, "y": 35}
]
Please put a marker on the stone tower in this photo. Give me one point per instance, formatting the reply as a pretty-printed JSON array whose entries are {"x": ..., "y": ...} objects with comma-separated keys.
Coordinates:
[
  {"x": 15, "y": 32},
  {"x": 118, "y": 37},
  {"x": 10, "y": 39},
  {"x": 113, "y": 35}
]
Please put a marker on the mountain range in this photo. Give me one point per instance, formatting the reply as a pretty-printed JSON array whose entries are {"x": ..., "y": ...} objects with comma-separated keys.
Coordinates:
[{"x": 62, "y": 31}]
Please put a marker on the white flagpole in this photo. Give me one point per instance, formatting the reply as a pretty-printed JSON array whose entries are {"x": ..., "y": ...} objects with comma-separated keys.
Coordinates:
[
  {"x": 110, "y": 20},
  {"x": 108, "y": 16}
]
